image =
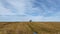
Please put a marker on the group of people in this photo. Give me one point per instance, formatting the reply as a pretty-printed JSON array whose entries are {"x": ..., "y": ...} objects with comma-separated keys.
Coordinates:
[{"x": 30, "y": 20}]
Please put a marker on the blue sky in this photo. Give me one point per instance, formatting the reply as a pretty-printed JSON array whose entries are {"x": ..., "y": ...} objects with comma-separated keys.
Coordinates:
[{"x": 24, "y": 10}]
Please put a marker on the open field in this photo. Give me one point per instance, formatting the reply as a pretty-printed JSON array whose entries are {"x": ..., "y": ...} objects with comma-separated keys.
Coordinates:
[{"x": 29, "y": 28}]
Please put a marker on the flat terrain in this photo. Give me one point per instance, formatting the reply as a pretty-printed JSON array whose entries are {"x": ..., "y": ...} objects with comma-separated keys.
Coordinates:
[{"x": 29, "y": 28}]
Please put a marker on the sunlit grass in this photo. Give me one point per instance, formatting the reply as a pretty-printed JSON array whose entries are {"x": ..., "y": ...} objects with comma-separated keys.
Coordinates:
[{"x": 29, "y": 27}]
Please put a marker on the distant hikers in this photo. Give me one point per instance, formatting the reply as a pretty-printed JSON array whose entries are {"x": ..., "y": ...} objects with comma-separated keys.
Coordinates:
[{"x": 30, "y": 20}]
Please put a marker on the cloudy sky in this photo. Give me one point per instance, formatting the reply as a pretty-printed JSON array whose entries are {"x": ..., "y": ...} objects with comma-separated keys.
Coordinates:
[{"x": 25, "y": 10}]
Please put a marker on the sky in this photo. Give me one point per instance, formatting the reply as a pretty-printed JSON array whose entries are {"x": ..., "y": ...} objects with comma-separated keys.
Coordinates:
[{"x": 25, "y": 10}]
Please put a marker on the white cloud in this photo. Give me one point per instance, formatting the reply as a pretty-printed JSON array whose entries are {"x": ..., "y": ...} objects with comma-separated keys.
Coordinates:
[
  {"x": 20, "y": 5},
  {"x": 25, "y": 6}
]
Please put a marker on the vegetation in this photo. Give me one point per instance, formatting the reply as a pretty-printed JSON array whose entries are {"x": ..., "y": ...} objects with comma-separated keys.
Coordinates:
[{"x": 29, "y": 27}]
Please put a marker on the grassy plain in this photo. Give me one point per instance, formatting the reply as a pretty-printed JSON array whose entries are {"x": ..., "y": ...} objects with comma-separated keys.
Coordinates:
[{"x": 29, "y": 28}]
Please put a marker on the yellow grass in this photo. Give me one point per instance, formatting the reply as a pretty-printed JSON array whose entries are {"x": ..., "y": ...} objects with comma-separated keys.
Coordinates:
[{"x": 29, "y": 28}]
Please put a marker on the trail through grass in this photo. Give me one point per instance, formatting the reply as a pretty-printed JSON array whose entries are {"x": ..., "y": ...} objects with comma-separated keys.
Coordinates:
[{"x": 29, "y": 28}]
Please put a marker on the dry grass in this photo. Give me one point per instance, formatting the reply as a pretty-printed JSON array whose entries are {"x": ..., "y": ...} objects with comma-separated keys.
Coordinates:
[{"x": 29, "y": 28}]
